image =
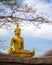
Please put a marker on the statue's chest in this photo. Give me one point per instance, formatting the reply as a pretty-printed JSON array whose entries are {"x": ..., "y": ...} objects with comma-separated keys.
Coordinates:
[{"x": 17, "y": 39}]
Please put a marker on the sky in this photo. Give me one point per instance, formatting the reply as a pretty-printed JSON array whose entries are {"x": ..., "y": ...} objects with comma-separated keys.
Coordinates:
[
  {"x": 44, "y": 6},
  {"x": 39, "y": 39}
]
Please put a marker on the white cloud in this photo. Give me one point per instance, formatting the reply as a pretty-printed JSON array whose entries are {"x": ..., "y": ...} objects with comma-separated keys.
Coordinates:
[
  {"x": 45, "y": 31},
  {"x": 3, "y": 31},
  {"x": 30, "y": 30},
  {"x": 3, "y": 51},
  {"x": 41, "y": 6},
  {"x": 44, "y": 8}
]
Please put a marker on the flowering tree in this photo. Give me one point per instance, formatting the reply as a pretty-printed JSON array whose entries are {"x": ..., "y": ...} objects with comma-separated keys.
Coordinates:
[{"x": 28, "y": 12}]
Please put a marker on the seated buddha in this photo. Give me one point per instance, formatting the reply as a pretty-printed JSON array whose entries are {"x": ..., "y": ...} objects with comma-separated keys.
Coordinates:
[{"x": 17, "y": 45}]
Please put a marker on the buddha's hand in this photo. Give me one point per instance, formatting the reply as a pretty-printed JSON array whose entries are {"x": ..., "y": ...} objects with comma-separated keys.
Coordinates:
[{"x": 11, "y": 47}]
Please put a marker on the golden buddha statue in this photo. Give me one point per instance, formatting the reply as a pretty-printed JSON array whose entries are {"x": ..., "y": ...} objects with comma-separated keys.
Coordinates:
[{"x": 17, "y": 45}]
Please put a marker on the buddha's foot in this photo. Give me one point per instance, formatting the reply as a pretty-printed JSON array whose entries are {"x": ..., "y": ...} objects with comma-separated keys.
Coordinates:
[{"x": 33, "y": 52}]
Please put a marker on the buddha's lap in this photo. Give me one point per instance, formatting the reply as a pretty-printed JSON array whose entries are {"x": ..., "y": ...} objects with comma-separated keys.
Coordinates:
[{"x": 20, "y": 51}]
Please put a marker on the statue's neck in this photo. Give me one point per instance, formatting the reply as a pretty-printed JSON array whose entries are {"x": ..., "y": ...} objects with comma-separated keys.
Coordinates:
[{"x": 18, "y": 35}]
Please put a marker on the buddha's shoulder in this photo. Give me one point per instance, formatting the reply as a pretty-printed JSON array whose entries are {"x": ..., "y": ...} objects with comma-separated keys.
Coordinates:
[
  {"x": 12, "y": 37},
  {"x": 21, "y": 38}
]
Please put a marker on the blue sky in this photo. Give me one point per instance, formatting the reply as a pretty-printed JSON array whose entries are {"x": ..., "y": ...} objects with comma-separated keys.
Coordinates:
[
  {"x": 46, "y": 1},
  {"x": 39, "y": 39}
]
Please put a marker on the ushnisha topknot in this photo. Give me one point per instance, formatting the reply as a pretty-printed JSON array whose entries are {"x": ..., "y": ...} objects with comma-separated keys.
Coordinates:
[{"x": 17, "y": 28}]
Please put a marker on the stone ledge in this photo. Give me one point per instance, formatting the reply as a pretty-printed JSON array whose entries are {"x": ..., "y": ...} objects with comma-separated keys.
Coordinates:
[{"x": 6, "y": 59}]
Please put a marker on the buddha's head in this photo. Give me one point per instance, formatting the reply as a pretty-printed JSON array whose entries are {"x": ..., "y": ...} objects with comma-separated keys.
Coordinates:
[{"x": 17, "y": 30}]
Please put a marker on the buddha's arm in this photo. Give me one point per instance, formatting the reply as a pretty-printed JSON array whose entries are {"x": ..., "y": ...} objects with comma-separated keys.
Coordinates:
[
  {"x": 22, "y": 44},
  {"x": 11, "y": 42}
]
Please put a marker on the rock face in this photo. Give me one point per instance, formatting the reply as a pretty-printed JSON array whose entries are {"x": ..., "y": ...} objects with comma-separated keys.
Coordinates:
[
  {"x": 6, "y": 59},
  {"x": 47, "y": 54}
]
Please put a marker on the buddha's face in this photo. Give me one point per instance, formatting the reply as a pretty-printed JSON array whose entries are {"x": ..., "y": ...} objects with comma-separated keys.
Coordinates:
[{"x": 17, "y": 31}]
